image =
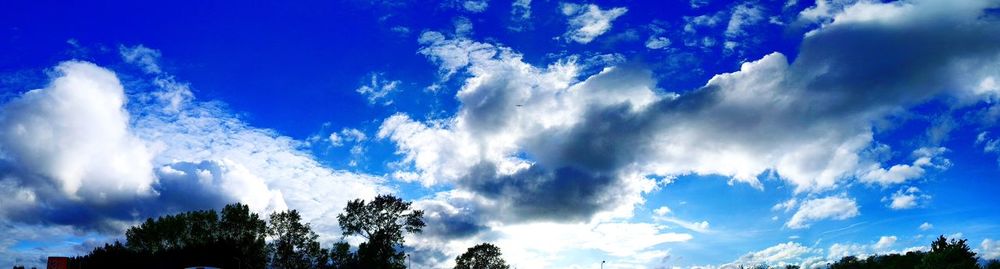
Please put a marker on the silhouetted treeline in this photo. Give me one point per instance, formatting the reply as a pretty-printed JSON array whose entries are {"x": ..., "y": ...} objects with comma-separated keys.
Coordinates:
[
  {"x": 233, "y": 239},
  {"x": 944, "y": 254},
  {"x": 238, "y": 238}
]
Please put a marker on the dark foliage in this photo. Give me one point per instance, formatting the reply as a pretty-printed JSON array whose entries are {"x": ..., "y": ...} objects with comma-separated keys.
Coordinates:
[
  {"x": 944, "y": 254},
  {"x": 197, "y": 238},
  {"x": 992, "y": 264},
  {"x": 293, "y": 244},
  {"x": 382, "y": 222},
  {"x": 482, "y": 256},
  {"x": 238, "y": 238}
]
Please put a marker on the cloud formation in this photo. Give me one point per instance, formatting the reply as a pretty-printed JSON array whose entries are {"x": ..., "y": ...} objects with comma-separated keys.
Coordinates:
[
  {"x": 905, "y": 199},
  {"x": 73, "y": 154},
  {"x": 68, "y": 154},
  {"x": 588, "y": 21},
  {"x": 832, "y": 207},
  {"x": 531, "y": 139},
  {"x": 778, "y": 255}
]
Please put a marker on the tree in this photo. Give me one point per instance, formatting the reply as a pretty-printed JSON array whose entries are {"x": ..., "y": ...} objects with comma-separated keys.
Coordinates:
[
  {"x": 944, "y": 254},
  {"x": 293, "y": 244},
  {"x": 342, "y": 257},
  {"x": 992, "y": 264},
  {"x": 244, "y": 231},
  {"x": 482, "y": 256},
  {"x": 848, "y": 262},
  {"x": 234, "y": 239},
  {"x": 382, "y": 222}
]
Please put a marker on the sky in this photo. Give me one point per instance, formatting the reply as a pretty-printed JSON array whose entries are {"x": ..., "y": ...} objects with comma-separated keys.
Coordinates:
[{"x": 647, "y": 134}]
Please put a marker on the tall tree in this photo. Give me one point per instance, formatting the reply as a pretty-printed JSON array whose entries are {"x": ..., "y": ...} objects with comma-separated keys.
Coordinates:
[
  {"x": 293, "y": 244},
  {"x": 342, "y": 257},
  {"x": 195, "y": 238},
  {"x": 482, "y": 256},
  {"x": 945, "y": 254},
  {"x": 244, "y": 231},
  {"x": 382, "y": 222}
]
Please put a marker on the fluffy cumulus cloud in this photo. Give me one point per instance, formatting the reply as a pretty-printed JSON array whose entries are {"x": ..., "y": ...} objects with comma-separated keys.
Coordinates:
[
  {"x": 884, "y": 245},
  {"x": 989, "y": 249},
  {"x": 657, "y": 42},
  {"x": 885, "y": 242},
  {"x": 905, "y": 199},
  {"x": 832, "y": 207},
  {"x": 455, "y": 222},
  {"x": 923, "y": 158},
  {"x": 789, "y": 253},
  {"x": 589, "y": 21},
  {"x": 168, "y": 155},
  {"x": 68, "y": 153},
  {"x": 530, "y": 139},
  {"x": 347, "y": 135}
]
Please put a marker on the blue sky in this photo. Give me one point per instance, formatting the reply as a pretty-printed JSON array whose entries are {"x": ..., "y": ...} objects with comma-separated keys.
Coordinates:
[{"x": 650, "y": 134}]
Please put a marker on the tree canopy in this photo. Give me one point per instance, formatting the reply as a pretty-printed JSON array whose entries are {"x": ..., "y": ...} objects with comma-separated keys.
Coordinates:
[
  {"x": 482, "y": 256},
  {"x": 944, "y": 254},
  {"x": 293, "y": 244},
  {"x": 382, "y": 222},
  {"x": 195, "y": 238}
]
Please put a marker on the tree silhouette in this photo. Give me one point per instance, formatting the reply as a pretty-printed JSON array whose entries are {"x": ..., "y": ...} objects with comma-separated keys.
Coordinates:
[
  {"x": 944, "y": 254},
  {"x": 382, "y": 222},
  {"x": 195, "y": 238},
  {"x": 954, "y": 254},
  {"x": 293, "y": 244},
  {"x": 992, "y": 264},
  {"x": 341, "y": 256},
  {"x": 245, "y": 231},
  {"x": 482, "y": 256}
]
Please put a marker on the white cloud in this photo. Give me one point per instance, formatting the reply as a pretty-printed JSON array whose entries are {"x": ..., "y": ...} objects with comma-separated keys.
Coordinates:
[
  {"x": 203, "y": 131},
  {"x": 657, "y": 42},
  {"x": 923, "y": 158},
  {"x": 906, "y": 199},
  {"x": 693, "y": 23},
  {"x": 838, "y": 250},
  {"x": 698, "y": 3},
  {"x": 662, "y": 214},
  {"x": 122, "y": 168},
  {"x": 539, "y": 244},
  {"x": 926, "y": 226},
  {"x": 788, "y": 253},
  {"x": 193, "y": 185},
  {"x": 587, "y": 22},
  {"x": 786, "y": 206},
  {"x": 662, "y": 211},
  {"x": 743, "y": 16},
  {"x": 831, "y": 207},
  {"x": 509, "y": 109},
  {"x": 453, "y": 227},
  {"x": 475, "y": 6},
  {"x": 989, "y": 249},
  {"x": 824, "y": 10},
  {"x": 141, "y": 56},
  {"x": 346, "y": 135},
  {"x": 378, "y": 89},
  {"x": 520, "y": 13},
  {"x": 463, "y": 26},
  {"x": 70, "y": 142},
  {"x": 885, "y": 242}
]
